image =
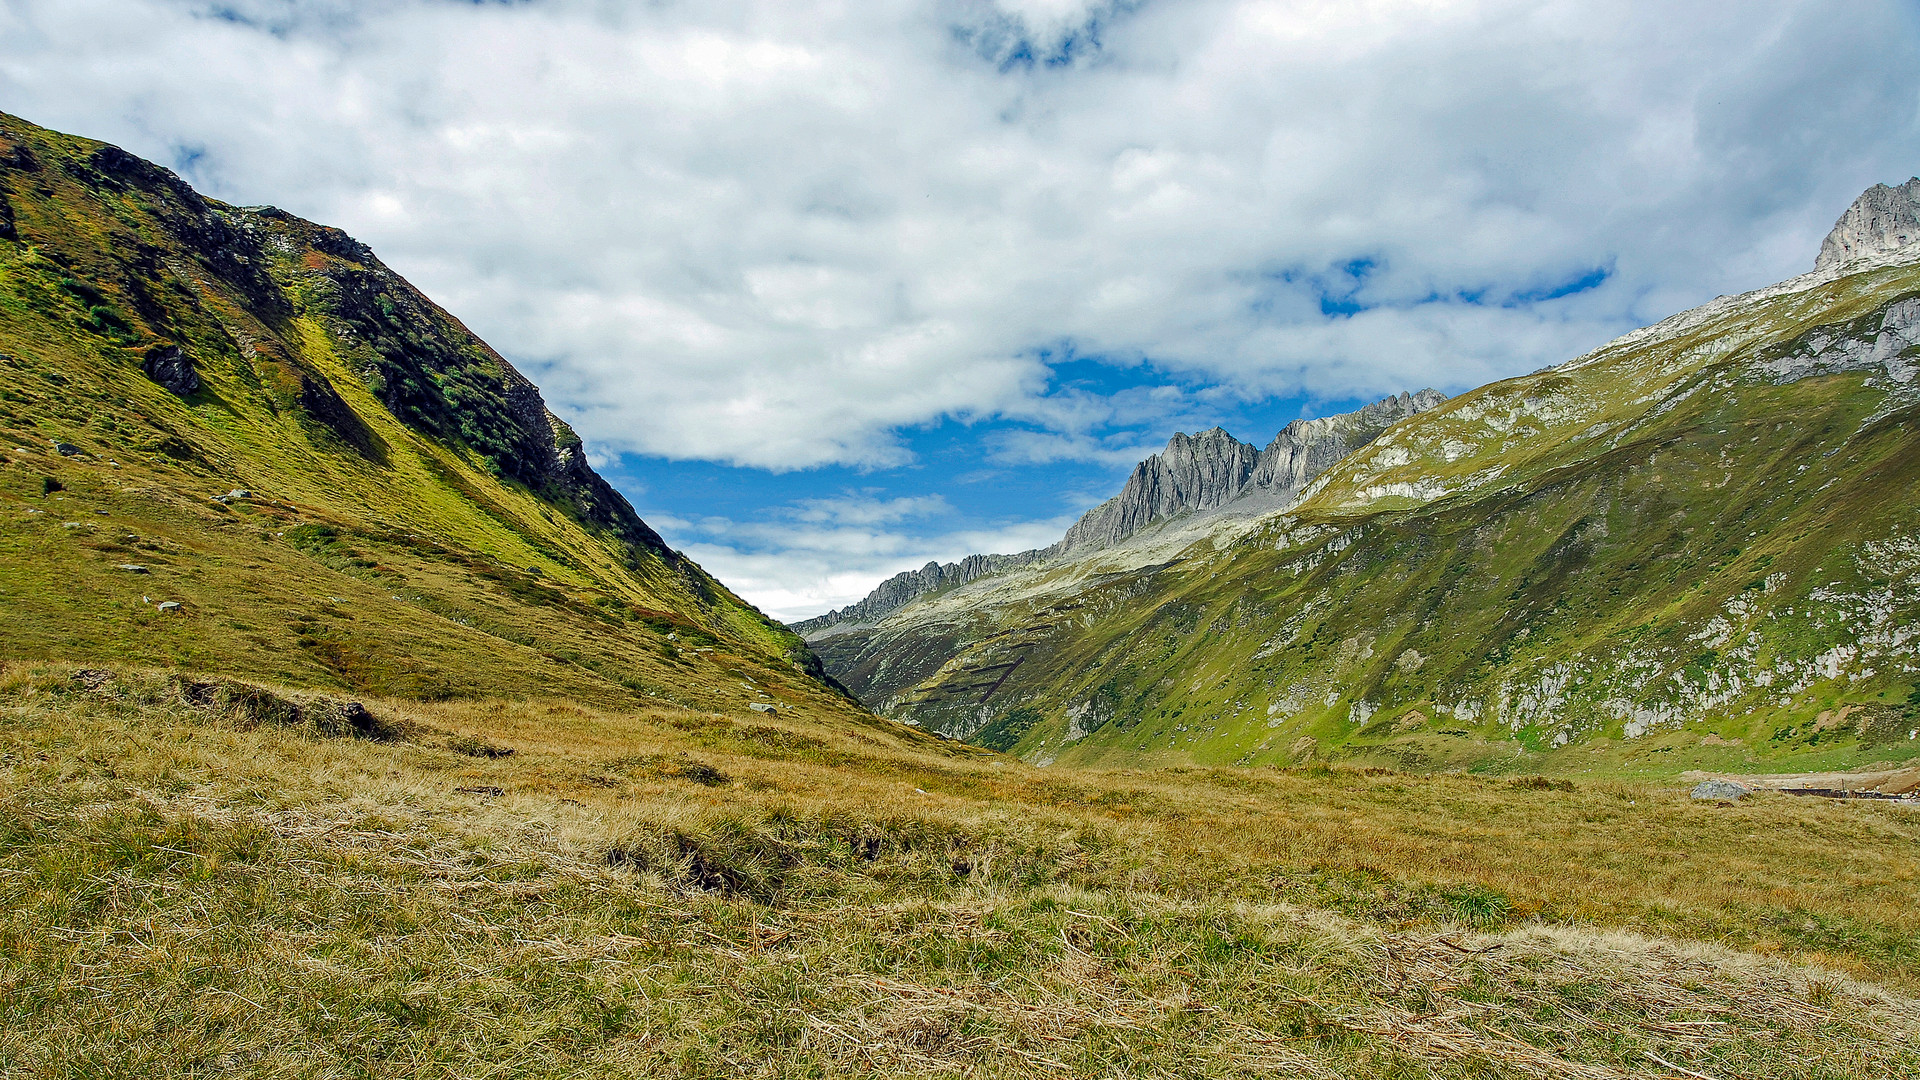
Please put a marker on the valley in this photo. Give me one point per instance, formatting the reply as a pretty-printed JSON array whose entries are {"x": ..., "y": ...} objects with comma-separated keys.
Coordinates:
[{"x": 351, "y": 724}]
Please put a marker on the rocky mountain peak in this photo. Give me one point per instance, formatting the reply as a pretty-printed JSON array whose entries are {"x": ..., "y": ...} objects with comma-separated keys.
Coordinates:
[
  {"x": 1882, "y": 219},
  {"x": 1213, "y": 471},
  {"x": 1208, "y": 472}
]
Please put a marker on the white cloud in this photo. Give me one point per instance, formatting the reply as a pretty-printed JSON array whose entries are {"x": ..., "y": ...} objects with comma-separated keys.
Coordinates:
[
  {"x": 773, "y": 233},
  {"x": 866, "y": 510},
  {"x": 817, "y": 554},
  {"x": 1020, "y": 446}
]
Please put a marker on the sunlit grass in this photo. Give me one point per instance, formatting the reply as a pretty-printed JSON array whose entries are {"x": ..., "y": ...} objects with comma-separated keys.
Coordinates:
[{"x": 193, "y": 890}]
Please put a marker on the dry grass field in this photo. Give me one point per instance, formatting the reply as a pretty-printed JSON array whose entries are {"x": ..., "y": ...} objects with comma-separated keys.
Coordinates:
[{"x": 202, "y": 878}]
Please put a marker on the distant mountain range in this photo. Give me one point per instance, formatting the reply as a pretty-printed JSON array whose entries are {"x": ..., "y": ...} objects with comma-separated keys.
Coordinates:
[
  {"x": 1703, "y": 534},
  {"x": 1197, "y": 477}
]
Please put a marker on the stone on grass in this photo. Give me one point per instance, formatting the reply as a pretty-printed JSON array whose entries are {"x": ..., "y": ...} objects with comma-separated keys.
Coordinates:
[
  {"x": 1721, "y": 789},
  {"x": 168, "y": 366}
]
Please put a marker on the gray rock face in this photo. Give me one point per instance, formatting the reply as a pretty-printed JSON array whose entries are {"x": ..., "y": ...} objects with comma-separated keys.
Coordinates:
[
  {"x": 1885, "y": 343},
  {"x": 171, "y": 368},
  {"x": 1721, "y": 789},
  {"x": 1882, "y": 219},
  {"x": 1210, "y": 471},
  {"x": 1195, "y": 472}
]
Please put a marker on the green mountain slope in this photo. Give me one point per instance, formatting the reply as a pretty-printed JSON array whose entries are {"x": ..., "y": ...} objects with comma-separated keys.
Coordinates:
[
  {"x": 414, "y": 521},
  {"x": 1693, "y": 547}
]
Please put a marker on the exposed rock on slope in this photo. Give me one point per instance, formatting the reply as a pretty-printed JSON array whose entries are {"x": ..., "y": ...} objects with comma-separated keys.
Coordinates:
[
  {"x": 437, "y": 377},
  {"x": 1209, "y": 471},
  {"x": 1881, "y": 220},
  {"x": 1195, "y": 472}
]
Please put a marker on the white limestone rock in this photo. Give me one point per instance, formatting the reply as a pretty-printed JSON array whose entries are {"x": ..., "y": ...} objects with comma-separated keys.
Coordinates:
[{"x": 1882, "y": 219}]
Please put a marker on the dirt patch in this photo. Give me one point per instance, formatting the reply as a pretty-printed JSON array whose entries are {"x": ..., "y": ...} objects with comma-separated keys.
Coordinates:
[{"x": 1830, "y": 720}]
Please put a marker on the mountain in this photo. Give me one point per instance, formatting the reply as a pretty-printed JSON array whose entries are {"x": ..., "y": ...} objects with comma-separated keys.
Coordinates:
[
  {"x": 1197, "y": 477},
  {"x": 1213, "y": 471},
  {"x": 1883, "y": 219},
  {"x": 909, "y": 585},
  {"x": 234, "y": 440},
  {"x": 1696, "y": 541}
]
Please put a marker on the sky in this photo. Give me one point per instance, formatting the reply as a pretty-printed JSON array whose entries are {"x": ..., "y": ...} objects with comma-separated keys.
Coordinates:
[{"x": 832, "y": 289}]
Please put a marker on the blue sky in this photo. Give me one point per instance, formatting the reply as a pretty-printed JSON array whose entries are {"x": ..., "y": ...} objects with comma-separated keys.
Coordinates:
[
  {"x": 971, "y": 487},
  {"x": 832, "y": 289}
]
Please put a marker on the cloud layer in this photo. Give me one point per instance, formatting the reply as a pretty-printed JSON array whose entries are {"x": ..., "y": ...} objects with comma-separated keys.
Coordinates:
[{"x": 780, "y": 233}]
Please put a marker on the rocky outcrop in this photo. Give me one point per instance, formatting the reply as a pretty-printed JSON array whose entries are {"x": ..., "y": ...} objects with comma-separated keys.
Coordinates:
[
  {"x": 1213, "y": 470},
  {"x": 429, "y": 370},
  {"x": 1882, "y": 219},
  {"x": 1195, "y": 472},
  {"x": 170, "y": 367},
  {"x": 438, "y": 377},
  {"x": 1884, "y": 343}
]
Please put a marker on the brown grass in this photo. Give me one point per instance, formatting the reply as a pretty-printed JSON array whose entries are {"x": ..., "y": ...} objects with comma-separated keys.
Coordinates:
[{"x": 188, "y": 891}]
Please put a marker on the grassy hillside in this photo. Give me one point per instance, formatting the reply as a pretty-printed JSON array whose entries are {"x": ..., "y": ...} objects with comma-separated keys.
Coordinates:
[
  {"x": 198, "y": 878},
  {"x": 414, "y": 521},
  {"x": 1694, "y": 548}
]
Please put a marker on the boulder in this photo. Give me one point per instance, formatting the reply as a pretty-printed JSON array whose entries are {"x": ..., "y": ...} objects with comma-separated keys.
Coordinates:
[
  {"x": 66, "y": 449},
  {"x": 1721, "y": 790},
  {"x": 167, "y": 607},
  {"x": 761, "y": 706},
  {"x": 132, "y": 568},
  {"x": 171, "y": 368}
]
